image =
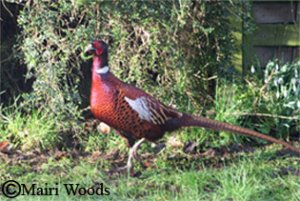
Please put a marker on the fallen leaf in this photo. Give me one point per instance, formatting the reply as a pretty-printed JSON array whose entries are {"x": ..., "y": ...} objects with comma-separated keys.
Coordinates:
[{"x": 5, "y": 147}]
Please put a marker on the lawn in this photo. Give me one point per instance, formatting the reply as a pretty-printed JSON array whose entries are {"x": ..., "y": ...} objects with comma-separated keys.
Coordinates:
[{"x": 229, "y": 173}]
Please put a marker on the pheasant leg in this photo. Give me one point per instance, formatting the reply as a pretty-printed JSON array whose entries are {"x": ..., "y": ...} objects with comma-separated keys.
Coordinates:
[{"x": 133, "y": 154}]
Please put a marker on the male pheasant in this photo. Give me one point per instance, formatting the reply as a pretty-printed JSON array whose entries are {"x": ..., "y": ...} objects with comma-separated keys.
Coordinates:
[{"x": 137, "y": 115}]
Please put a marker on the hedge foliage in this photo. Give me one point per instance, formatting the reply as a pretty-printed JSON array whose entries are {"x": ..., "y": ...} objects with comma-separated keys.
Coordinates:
[{"x": 168, "y": 48}]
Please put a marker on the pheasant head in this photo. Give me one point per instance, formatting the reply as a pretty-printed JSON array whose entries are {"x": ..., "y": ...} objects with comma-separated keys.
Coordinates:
[{"x": 99, "y": 49}]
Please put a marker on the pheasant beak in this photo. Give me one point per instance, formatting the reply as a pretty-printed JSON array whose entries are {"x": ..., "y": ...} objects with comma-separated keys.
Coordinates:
[{"x": 90, "y": 49}]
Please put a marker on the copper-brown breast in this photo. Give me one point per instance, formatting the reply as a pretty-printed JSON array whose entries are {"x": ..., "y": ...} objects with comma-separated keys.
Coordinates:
[{"x": 101, "y": 100}]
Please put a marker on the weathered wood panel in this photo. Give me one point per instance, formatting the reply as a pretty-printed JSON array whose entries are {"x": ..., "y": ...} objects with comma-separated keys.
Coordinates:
[
  {"x": 276, "y": 34},
  {"x": 284, "y": 53},
  {"x": 278, "y": 12}
]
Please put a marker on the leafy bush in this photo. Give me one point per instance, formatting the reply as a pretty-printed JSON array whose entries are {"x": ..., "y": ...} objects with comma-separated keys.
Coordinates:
[
  {"x": 285, "y": 81},
  {"x": 280, "y": 95},
  {"x": 275, "y": 99},
  {"x": 166, "y": 48},
  {"x": 270, "y": 105}
]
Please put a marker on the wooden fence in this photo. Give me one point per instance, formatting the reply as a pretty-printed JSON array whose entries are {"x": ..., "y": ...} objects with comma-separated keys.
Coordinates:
[{"x": 276, "y": 33}]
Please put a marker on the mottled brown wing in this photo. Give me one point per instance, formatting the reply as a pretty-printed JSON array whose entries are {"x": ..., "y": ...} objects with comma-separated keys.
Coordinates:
[
  {"x": 149, "y": 108},
  {"x": 160, "y": 112}
]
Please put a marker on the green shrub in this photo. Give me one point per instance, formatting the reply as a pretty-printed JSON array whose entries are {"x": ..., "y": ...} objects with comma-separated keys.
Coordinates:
[
  {"x": 279, "y": 97},
  {"x": 282, "y": 87},
  {"x": 163, "y": 47},
  {"x": 270, "y": 105},
  {"x": 168, "y": 48}
]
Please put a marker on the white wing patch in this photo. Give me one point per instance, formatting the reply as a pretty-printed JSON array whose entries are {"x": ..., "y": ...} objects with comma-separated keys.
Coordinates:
[
  {"x": 146, "y": 112},
  {"x": 140, "y": 107}
]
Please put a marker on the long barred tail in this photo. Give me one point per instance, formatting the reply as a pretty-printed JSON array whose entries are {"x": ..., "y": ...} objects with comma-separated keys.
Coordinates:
[{"x": 190, "y": 120}]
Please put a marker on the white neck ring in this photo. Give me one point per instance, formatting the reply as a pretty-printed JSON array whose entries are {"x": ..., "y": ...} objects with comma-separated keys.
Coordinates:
[{"x": 102, "y": 70}]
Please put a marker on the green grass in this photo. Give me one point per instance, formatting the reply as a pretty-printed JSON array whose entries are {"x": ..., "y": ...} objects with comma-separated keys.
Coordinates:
[
  {"x": 175, "y": 176},
  {"x": 28, "y": 131}
]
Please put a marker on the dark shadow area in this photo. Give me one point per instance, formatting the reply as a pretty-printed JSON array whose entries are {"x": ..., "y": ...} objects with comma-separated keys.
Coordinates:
[{"x": 12, "y": 77}]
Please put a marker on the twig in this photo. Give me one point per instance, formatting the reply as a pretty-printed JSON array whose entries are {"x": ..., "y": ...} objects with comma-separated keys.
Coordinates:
[
  {"x": 4, "y": 6},
  {"x": 210, "y": 78},
  {"x": 266, "y": 115}
]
